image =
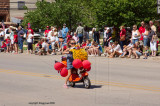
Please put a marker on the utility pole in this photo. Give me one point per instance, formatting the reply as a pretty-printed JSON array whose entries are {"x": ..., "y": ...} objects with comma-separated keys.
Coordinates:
[{"x": 158, "y": 6}]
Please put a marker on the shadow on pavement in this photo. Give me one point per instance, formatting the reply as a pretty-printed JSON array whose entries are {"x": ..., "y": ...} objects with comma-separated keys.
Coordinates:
[{"x": 92, "y": 86}]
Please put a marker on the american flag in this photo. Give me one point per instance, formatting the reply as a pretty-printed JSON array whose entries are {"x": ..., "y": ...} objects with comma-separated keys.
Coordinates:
[{"x": 3, "y": 25}]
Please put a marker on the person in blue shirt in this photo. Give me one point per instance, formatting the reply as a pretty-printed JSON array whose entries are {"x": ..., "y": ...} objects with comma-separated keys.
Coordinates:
[
  {"x": 64, "y": 32},
  {"x": 88, "y": 44},
  {"x": 97, "y": 49},
  {"x": 20, "y": 38}
]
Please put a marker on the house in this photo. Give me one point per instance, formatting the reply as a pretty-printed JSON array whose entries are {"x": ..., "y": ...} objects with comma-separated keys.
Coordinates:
[{"x": 12, "y": 11}]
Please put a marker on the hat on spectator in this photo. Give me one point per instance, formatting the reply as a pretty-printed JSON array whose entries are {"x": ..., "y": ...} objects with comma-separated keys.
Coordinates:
[
  {"x": 47, "y": 26},
  {"x": 12, "y": 27},
  {"x": 108, "y": 28},
  {"x": 64, "y": 24},
  {"x": 63, "y": 57},
  {"x": 111, "y": 41}
]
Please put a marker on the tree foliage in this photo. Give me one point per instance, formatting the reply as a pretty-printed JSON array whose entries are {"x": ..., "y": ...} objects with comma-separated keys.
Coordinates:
[
  {"x": 125, "y": 12},
  {"x": 91, "y": 13}
]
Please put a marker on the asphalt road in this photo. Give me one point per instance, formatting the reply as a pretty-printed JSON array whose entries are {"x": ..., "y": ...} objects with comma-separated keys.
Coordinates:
[{"x": 29, "y": 80}]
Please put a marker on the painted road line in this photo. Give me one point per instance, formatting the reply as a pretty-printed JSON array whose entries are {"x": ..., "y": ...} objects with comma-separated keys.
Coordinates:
[
  {"x": 147, "y": 88},
  {"x": 32, "y": 74},
  {"x": 125, "y": 84}
]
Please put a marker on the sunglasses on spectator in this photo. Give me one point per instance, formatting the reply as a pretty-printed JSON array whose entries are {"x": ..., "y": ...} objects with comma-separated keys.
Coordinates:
[{"x": 73, "y": 43}]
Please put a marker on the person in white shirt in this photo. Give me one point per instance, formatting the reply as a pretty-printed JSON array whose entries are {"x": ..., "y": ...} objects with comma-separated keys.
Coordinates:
[
  {"x": 116, "y": 50},
  {"x": 30, "y": 41},
  {"x": 11, "y": 35},
  {"x": 109, "y": 50},
  {"x": 54, "y": 41},
  {"x": 90, "y": 34},
  {"x": 135, "y": 34},
  {"x": 50, "y": 33},
  {"x": 127, "y": 49},
  {"x": 44, "y": 48},
  {"x": 75, "y": 37}
]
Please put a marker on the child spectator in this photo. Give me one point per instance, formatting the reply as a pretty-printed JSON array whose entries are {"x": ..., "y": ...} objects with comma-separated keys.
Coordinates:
[
  {"x": 84, "y": 44},
  {"x": 153, "y": 45},
  {"x": 2, "y": 34},
  {"x": 88, "y": 44},
  {"x": 146, "y": 53},
  {"x": 91, "y": 50},
  {"x": 8, "y": 41},
  {"x": 116, "y": 50},
  {"x": 69, "y": 37},
  {"x": 30, "y": 41},
  {"x": 15, "y": 42},
  {"x": 64, "y": 60},
  {"x": 97, "y": 49},
  {"x": 44, "y": 48},
  {"x": 136, "y": 50},
  {"x": 109, "y": 49},
  {"x": 38, "y": 46},
  {"x": 76, "y": 38},
  {"x": 3, "y": 47}
]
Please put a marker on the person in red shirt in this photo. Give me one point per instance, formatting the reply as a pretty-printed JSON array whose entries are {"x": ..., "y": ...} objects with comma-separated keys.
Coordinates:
[
  {"x": 122, "y": 36},
  {"x": 16, "y": 42},
  {"x": 8, "y": 41},
  {"x": 84, "y": 44},
  {"x": 142, "y": 30},
  {"x": 3, "y": 47},
  {"x": 32, "y": 32},
  {"x": 46, "y": 31},
  {"x": 69, "y": 37}
]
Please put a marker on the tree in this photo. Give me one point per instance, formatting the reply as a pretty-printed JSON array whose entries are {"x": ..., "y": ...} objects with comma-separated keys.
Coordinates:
[
  {"x": 124, "y": 12},
  {"x": 91, "y": 13},
  {"x": 57, "y": 13}
]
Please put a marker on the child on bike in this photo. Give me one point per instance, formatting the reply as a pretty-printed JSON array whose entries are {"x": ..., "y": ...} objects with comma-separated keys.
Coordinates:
[{"x": 70, "y": 59}]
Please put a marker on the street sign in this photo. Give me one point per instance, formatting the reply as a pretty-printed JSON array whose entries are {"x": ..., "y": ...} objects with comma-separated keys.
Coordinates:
[
  {"x": 158, "y": 2},
  {"x": 158, "y": 9}
]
